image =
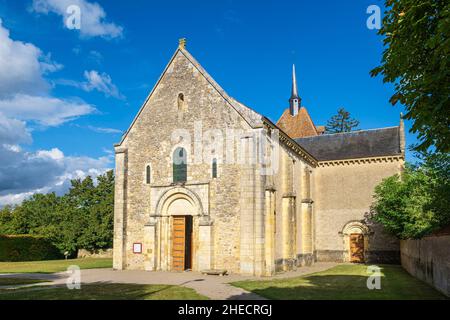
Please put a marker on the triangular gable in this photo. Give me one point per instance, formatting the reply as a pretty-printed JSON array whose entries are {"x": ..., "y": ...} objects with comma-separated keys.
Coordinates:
[{"x": 253, "y": 118}]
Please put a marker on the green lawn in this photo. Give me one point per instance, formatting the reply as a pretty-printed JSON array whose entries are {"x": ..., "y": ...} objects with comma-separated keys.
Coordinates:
[
  {"x": 19, "y": 281},
  {"x": 104, "y": 291},
  {"x": 52, "y": 266},
  {"x": 343, "y": 282}
]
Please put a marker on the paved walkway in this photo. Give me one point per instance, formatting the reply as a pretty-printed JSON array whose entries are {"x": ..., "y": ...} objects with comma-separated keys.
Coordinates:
[{"x": 214, "y": 287}]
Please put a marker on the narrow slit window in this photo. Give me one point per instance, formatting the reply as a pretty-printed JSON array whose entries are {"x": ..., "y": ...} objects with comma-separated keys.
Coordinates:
[
  {"x": 148, "y": 175},
  {"x": 214, "y": 168},
  {"x": 181, "y": 103}
]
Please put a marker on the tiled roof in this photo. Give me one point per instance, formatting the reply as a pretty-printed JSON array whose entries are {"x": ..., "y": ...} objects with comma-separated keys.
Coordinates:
[
  {"x": 353, "y": 145},
  {"x": 298, "y": 126}
]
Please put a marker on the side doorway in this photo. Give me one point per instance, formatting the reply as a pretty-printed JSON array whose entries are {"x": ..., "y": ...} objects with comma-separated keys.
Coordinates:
[{"x": 357, "y": 248}]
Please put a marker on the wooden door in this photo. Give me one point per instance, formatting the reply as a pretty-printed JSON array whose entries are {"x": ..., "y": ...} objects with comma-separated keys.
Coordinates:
[
  {"x": 356, "y": 248},
  {"x": 178, "y": 243}
]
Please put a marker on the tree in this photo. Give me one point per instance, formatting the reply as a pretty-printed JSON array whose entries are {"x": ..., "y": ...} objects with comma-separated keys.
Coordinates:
[
  {"x": 342, "y": 122},
  {"x": 6, "y": 218},
  {"x": 98, "y": 229},
  {"x": 36, "y": 215},
  {"x": 82, "y": 218},
  {"x": 415, "y": 203},
  {"x": 417, "y": 61}
]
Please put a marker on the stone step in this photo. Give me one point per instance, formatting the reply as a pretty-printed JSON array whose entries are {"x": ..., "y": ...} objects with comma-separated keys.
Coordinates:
[{"x": 214, "y": 272}]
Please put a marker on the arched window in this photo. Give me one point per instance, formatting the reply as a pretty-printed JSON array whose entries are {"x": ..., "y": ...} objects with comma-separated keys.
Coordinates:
[
  {"x": 148, "y": 174},
  {"x": 179, "y": 165},
  {"x": 181, "y": 103},
  {"x": 214, "y": 168}
]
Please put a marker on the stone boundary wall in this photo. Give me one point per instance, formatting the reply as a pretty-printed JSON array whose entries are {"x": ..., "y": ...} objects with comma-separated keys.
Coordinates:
[
  {"x": 428, "y": 259},
  {"x": 83, "y": 253}
]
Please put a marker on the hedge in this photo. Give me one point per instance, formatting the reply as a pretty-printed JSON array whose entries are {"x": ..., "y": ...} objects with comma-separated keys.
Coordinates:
[{"x": 27, "y": 248}]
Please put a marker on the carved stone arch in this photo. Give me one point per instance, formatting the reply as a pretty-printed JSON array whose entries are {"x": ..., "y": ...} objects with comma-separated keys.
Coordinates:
[
  {"x": 362, "y": 232},
  {"x": 355, "y": 226},
  {"x": 175, "y": 202},
  {"x": 179, "y": 193}
]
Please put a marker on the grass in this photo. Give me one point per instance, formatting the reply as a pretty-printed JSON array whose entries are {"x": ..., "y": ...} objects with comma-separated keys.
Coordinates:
[
  {"x": 52, "y": 266},
  {"x": 19, "y": 281},
  {"x": 104, "y": 291},
  {"x": 344, "y": 282}
]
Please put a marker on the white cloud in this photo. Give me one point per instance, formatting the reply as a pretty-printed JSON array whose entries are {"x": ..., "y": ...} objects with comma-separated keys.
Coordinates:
[
  {"x": 54, "y": 154},
  {"x": 95, "y": 81},
  {"x": 47, "y": 111},
  {"x": 48, "y": 65},
  {"x": 24, "y": 97},
  {"x": 95, "y": 56},
  {"x": 13, "y": 199},
  {"x": 24, "y": 173},
  {"x": 23, "y": 89},
  {"x": 104, "y": 130},
  {"x": 93, "y": 16},
  {"x": 13, "y": 132},
  {"x": 102, "y": 83},
  {"x": 21, "y": 66}
]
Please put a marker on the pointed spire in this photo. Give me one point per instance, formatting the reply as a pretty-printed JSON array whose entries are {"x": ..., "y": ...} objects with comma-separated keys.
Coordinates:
[
  {"x": 294, "y": 83},
  {"x": 294, "y": 101}
]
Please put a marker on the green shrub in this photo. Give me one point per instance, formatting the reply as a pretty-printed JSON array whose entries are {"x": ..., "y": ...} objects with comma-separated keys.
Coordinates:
[
  {"x": 27, "y": 248},
  {"x": 415, "y": 203}
]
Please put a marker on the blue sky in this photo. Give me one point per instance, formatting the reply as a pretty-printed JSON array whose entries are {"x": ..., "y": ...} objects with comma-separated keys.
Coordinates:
[{"x": 102, "y": 73}]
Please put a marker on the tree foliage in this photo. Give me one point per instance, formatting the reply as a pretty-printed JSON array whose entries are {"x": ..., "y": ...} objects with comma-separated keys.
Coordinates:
[
  {"x": 417, "y": 61},
  {"x": 341, "y": 122},
  {"x": 82, "y": 218},
  {"x": 417, "y": 202}
]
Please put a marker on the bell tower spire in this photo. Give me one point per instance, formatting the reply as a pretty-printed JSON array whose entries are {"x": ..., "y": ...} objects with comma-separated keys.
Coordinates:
[{"x": 294, "y": 101}]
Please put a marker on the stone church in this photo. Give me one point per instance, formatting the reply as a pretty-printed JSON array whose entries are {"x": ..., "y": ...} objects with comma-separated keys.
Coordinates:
[{"x": 204, "y": 182}]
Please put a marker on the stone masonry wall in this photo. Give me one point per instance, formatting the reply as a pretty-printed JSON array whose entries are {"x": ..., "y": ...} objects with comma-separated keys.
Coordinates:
[{"x": 429, "y": 260}]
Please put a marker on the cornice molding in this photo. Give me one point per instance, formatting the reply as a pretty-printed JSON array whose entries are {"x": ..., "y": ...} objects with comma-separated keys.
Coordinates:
[{"x": 329, "y": 163}]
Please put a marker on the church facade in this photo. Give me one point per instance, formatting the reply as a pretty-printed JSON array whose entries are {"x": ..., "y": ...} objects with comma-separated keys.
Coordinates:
[{"x": 204, "y": 182}]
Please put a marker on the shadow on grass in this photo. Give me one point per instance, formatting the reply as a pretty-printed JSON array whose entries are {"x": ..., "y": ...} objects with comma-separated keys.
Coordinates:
[
  {"x": 104, "y": 291},
  {"x": 316, "y": 288},
  {"x": 31, "y": 276},
  {"x": 335, "y": 284}
]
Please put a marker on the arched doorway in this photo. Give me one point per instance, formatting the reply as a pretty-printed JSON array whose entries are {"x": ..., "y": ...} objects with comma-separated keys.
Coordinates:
[
  {"x": 356, "y": 241},
  {"x": 181, "y": 211},
  {"x": 183, "y": 231}
]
